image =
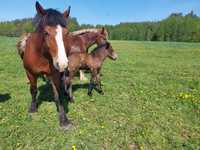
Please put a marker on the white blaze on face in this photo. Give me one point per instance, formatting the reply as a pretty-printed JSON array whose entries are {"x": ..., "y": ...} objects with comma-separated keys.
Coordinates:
[{"x": 61, "y": 61}]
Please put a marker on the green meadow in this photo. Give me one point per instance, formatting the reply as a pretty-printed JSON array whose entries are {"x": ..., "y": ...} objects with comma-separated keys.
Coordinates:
[{"x": 151, "y": 101}]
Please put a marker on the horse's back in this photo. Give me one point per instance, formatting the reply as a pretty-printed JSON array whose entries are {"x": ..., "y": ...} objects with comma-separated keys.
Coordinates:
[
  {"x": 21, "y": 44},
  {"x": 74, "y": 44}
]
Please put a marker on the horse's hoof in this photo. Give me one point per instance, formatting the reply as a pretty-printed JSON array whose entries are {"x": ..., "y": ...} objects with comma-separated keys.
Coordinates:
[
  {"x": 90, "y": 94},
  {"x": 66, "y": 125},
  {"x": 72, "y": 99},
  {"x": 83, "y": 79},
  {"x": 101, "y": 92}
]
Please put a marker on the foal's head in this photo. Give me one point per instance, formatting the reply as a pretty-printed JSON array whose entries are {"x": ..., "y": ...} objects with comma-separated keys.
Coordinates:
[
  {"x": 102, "y": 36},
  {"x": 52, "y": 24},
  {"x": 110, "y": 51}
]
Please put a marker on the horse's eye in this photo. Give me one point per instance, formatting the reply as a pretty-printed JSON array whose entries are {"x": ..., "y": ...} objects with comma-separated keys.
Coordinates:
[{"x": 46, "y": 33}]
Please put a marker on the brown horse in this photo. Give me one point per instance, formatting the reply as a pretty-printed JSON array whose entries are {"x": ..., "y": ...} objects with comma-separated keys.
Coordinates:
[
  {"x": 93, "y": 62},
  {"x": 45, "y": 54},
  {"x": 92, "y": 36},
  {"x": 78, "y": 41}
]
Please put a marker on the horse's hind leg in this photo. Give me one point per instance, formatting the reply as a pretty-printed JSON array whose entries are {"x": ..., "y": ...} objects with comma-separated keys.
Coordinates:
[
  {"x": 82, "y": 76},
  {"x": 33, "y": 90}
]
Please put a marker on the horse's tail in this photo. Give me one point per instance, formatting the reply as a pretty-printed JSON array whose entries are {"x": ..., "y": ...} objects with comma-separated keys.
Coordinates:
[{"x": 21, "y": 44}]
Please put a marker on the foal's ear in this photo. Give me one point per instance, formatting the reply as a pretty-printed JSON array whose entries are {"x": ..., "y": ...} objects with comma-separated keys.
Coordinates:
[
  {"x": 67, "y": 12},
  {"x": 107, "y": 45},
  {"x": 40, "y": 9}
]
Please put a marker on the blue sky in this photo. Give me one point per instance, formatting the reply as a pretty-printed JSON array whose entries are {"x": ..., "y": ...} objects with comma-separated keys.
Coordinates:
[{"x": 102, "y": 11}]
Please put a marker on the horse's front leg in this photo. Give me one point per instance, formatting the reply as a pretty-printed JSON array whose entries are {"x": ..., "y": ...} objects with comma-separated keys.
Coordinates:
[
  {"x": 59, "y": 98},
  {"x": 33, "y": 90}
]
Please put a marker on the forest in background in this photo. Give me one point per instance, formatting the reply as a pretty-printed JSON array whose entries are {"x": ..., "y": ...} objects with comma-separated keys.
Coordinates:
[{"x": 176, "y": 27}]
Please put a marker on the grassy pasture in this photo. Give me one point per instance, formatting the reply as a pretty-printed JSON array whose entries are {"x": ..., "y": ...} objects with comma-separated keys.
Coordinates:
[{"x": 152, "y": 101}]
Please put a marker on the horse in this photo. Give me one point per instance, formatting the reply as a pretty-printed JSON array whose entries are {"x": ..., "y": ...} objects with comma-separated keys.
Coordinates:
[
  {"x": 92, "y": 62},
  {"x": 45, "y": 54},
  {"x": 77, "y": 41},
  {"x": 92, "y": 36}
]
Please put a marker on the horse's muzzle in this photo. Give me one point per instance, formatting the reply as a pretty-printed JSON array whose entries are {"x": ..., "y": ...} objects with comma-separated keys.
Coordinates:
[{"x": 61, "y": 66}]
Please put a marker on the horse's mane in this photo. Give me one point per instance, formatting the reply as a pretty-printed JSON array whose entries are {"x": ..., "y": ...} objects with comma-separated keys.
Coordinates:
[
  {"x": 83, "y": 31},
  {"x": 52, "y": 18}
]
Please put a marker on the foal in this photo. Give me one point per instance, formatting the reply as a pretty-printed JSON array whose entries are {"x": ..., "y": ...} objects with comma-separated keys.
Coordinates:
[
  {"x": 82, "y": 40},
  {"x": 92, "y": 62}
]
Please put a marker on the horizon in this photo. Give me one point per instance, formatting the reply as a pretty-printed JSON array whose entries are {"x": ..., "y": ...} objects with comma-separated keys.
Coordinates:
[{"x": 91, "y": 12}]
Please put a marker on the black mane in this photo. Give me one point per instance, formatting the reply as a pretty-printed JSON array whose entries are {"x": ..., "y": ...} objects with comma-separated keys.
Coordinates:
[
  {"x": 99, "y": 48},
  {"x": 52, "y": 18}
]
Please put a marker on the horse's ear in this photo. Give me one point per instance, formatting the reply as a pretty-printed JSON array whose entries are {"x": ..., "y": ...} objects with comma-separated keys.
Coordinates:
[
  {"x": 103, "y": 30},
  {"x": 67, "y": 12},
  {"x": 40, "y": 9}
]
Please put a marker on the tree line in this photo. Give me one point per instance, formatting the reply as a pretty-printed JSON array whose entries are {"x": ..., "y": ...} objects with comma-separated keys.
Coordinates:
[{"x": 176, "y": 27}]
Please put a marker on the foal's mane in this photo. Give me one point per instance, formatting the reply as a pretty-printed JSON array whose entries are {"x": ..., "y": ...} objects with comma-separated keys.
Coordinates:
[
  {"x": 52, "y": 18},
  {"x": 98, "y": 48}
]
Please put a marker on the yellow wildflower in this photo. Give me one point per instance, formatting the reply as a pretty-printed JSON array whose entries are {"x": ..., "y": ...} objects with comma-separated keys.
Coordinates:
[
  {"x": 74, "y": 147},
  {"x": 102, "y": 126}
]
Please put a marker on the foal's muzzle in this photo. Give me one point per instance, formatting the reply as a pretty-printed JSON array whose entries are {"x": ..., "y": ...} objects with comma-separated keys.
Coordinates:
[{"x": 114, "y": 56}]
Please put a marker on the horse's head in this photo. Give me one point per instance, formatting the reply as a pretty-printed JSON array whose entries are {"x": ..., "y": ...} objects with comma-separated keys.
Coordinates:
[
  {"x": 102, "y": 37},
  {"x": 111, "y": 52},
  {"x": 53, "y": 27},
  {"x": 53, "y": 37}
]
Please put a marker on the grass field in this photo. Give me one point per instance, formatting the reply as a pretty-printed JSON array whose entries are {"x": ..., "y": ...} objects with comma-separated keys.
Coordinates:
[{"x": 152, "y": 100}]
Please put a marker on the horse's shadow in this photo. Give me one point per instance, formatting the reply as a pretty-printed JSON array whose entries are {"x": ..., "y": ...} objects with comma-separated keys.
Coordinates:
[
  {"x": 46, "y": 95},
  {"x": 76, "y": 87},
  {"x": 4, "y": 97}
]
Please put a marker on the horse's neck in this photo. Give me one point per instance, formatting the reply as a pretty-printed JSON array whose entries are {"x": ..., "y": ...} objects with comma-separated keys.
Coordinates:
[
  {"x": 89, "y": 39},
  {"x": 39, "y": 43}
]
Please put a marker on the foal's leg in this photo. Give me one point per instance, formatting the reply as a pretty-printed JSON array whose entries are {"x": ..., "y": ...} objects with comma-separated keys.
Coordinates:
[
  {"x": 99, "y": 85},
  {"x": 82, "y": 76},
  {"x": 59, "y": 98},
  {"x": 33, "y": 90},
  {"x": 68, "y": 86},
  {"x": 92, "y": 81}
]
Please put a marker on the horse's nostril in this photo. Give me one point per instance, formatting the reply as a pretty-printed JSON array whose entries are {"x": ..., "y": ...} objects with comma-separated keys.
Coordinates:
[{"x": 57, "y": 64}]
